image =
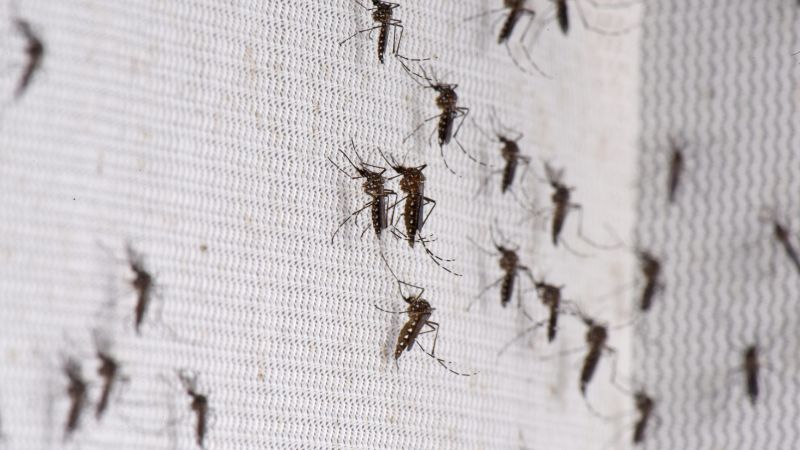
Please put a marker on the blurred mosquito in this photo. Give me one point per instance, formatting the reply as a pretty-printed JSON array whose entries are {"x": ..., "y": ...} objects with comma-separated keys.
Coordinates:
[
  {"x": 514, "y": 11},
  {"x": 780, "y": 232},
  {"x": 550, "y": 296},
  {"x": 751, "y": 366},
  {"x": 412, "y": 183},
  {"x": 375, "y": 187},
  {"x": 509, "y": 263},
  {"x": 562, "y": 15},
  {"x": 34, "y": 52},
  {"x": 510, "y": 152},
  {"x": 651, "y": 271},
  {"x": 675, "y": 167},
  {"x": 596, "y": 340},
  {"x": 419, "y": 312},
  {"x": 142, "y": 284},
  {"x": 447, "y": 102},
  {"x": 199, "y": 405},
  {"x": 562, "y": 205},
  {"x": 109, "y": 371},
  {"x": 645, "y": 406},
  {"x": 383, "y": 16},
  {"x": 77, "y": 390}
]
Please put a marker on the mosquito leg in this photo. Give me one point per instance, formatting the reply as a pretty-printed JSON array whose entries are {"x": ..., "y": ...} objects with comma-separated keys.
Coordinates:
[
  {"x": 519, "y": 336},
  {"x": 348, "y": 218},
  {"x": 359, "y": 32},
  {"x": 483, "y": 291},
  {"x": 420, "y": 126},
  {"x": 581, "y": 235}
]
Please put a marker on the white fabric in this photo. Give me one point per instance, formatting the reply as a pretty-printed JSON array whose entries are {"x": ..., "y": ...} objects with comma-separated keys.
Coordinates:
[{"x": 198, "y": 130}]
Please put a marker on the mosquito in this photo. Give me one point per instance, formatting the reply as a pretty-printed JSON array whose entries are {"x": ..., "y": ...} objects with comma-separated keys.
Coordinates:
[
  {"x": 199, "y": 405},
  {"x": 596, "y": 338},
  {"x": 562, "y": 16},
  {"x": 514, "y": 11},
  {"x": 510, "y": 153},
  {"x": 383, "y": 16},
  {"x": 651, "y": 270},
  {"x": 781, "y": 234},
  {"x": 109, "y": 371},
  {"x": 34, "y": 50},
  {"x": 509, "y": 263},
  {"x": 419, "y": 312},
  {"x": 562, "y": 205},
  {"x": 645, "y": 406},
  {"x": 751, "y": 367},
  {"x": 143, "y": 285},
  {"x": 675, "y": 168},
  {"x": 375, "y": 187},
  {"x": 550, "y": 296},
  {"x": 412, "y": 183},
  {"x": 77, "y": 389},
  {"x": 447, "y": 102}
]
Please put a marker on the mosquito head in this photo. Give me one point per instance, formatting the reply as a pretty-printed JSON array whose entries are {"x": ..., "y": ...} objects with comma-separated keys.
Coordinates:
[
  {"x": 560, "y": 194},
  {"x": 374, "y": 184},
  {"x": 509, "y": 260},
  {"x": 419, "y": 305},
  {"x": 108, "y": 366},
  {"x": 597, "y": 335},
  {"x": 651, "y": 266},
  {"x": 510, "y": 150},
  {"x": 751, "y": 358},
  {"x": 447, "y": 99},
  {"x": 550, "y": 294},
  {"x": 382, "y": 12},
  {"x": 779, "y": 231},
  {"x": 644, "y": 404}
]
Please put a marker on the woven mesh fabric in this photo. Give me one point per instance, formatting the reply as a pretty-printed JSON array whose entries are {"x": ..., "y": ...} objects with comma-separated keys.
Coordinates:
[
  {"x": 197, "y": 131},
  {"x": 720, "y": 76}
]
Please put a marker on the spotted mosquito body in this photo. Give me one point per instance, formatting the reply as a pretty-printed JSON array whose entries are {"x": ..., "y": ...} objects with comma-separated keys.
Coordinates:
[
  {"x": 77, "y": 390},
  {"x": 383, "y": 16},
  {"x": 199, "y": 405},
  {"x": 645, "y": 406},
  {"x": 34, "y": 51},
  {"x": 419, "y": 312},
  {"x": 447, "y": 102},
  {"x": 412, "y": 183},
  {"x": 375, "y": 187}
]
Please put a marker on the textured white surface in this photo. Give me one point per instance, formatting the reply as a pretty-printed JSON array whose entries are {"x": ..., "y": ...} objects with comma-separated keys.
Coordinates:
[
  {"x": 197, "y": 130},
  {"x": 722, "y": 76}
]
